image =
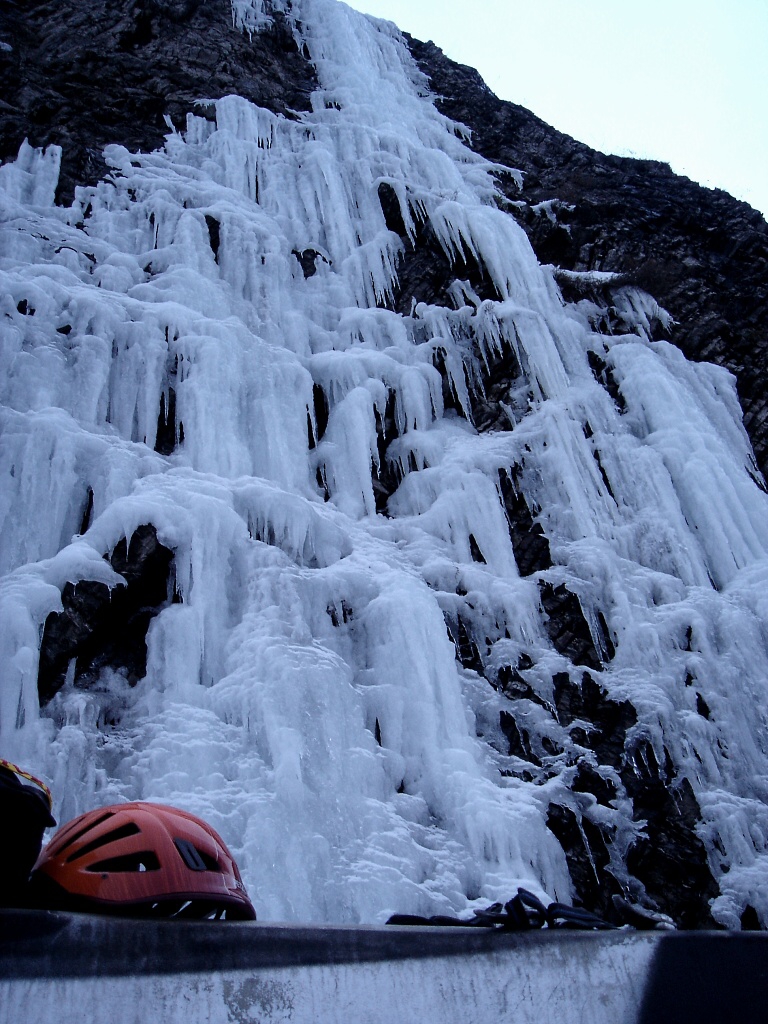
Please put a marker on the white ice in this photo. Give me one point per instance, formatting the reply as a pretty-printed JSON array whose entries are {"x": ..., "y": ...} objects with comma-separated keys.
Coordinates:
[{"x": 305, "y": 696}]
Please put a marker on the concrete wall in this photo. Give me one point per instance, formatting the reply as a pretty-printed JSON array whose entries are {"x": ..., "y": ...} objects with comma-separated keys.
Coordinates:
[{"x": 81, "y": 968}]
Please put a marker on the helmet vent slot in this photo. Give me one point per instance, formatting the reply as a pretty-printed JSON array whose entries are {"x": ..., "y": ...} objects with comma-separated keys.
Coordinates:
[
  {"x": 145, "y": 860},
  {"x": 82, "y": 831},
  {"x": 109, "y": 837},
  {"x": 195, "y": 859}
]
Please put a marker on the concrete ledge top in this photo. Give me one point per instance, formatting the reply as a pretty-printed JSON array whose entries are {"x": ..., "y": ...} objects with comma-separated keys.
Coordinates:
[
  {"x": 53, "y": 966},
  {"x": 50, "y": 944}
]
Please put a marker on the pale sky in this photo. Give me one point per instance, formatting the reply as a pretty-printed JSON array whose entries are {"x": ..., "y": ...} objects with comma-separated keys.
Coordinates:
[{"x": 685, "y": 81}]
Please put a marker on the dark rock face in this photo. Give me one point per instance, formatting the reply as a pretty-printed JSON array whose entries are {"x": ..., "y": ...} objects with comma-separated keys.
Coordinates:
[
  {"x": 85, "y": 75},
  {"x": 702, "y": 254},
  {"x": 609, "y": 719},
  {"x": 531, "y": 547},
  {"x": 105, "y": 628},
  {"x": 666, "y": 858},
  {"x": 670, "y": 859},
  {"x": 568, "y": 629},
  {"x": 587, "y": 856}
]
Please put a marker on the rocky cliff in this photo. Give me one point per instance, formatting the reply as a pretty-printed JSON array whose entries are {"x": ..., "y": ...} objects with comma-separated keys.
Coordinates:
[{"x": 84, "y": 75}]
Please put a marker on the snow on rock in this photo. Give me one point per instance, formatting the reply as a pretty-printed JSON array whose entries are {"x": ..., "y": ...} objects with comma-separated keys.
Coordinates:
[{"x": 205, "y": 342}]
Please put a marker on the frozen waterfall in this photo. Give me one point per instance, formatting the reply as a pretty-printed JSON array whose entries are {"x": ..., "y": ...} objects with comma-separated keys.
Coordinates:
[{"x": 207, "y": 343}]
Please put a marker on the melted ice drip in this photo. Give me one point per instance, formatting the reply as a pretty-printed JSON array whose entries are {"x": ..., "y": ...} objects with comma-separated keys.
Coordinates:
[{"x": 304, "y": 696}]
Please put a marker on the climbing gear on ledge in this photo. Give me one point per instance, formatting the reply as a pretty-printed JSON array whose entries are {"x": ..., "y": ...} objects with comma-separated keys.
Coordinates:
[
  {"x": 526, "y": 911},
  {"x": 140, "y": 859},
  {"x": 640, "y": 917}
]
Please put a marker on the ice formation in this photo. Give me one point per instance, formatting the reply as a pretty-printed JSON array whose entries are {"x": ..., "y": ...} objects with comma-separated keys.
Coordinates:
[{"x": 302, "y": 689}]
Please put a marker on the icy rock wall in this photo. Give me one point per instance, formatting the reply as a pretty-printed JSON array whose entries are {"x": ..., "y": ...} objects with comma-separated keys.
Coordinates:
[
  {"x": 701, "y": 253},
  {"x": 351, "y": 678}
]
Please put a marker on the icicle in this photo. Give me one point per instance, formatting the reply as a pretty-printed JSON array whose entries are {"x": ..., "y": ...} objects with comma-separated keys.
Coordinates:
[{"x": 33, "y": 176}]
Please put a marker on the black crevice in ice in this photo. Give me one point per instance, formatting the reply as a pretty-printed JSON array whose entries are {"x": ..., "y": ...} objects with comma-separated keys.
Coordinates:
[
  {"x": 587, "y": 856},
  {"x": 107, "y": 628},
  {"x": 567, "y": 627},
  {"x": 214, "y": 235},
  {"x": 504, "y": 393},
  {"x": 322, "y": 411},
  {"x": 385, "y": 477},
  {"x": 308, "y": 261},
  {"x": 85, "y": 522},
  {"x": 450, "y": 400},
  {"x": 518, "y": 738},
  {"x": 467, "y": 651},
  {"x": 529, "y": 543},
  {"x": 165, "y": 440},
  {"x": 605, "y": 376},
  {"x": 390, "y": 207}
]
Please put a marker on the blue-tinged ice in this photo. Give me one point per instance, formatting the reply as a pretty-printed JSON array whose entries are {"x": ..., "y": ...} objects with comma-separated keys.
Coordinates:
[{"x": 303, "y": 692}]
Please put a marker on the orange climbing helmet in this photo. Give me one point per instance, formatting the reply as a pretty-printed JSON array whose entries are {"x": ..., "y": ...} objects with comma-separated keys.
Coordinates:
[{"x": 141, "y": 859}]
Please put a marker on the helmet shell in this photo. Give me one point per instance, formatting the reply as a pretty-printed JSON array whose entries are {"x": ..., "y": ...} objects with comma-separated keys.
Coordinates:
[{"x": 141, "y": 858}]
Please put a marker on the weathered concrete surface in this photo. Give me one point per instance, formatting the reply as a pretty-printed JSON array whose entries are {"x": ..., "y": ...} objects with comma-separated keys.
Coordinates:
[{"x": 71, "y": 968}]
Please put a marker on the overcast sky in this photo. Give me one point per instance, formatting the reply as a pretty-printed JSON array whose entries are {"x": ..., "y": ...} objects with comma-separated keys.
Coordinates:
[{"x": 685, "y": 81}]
